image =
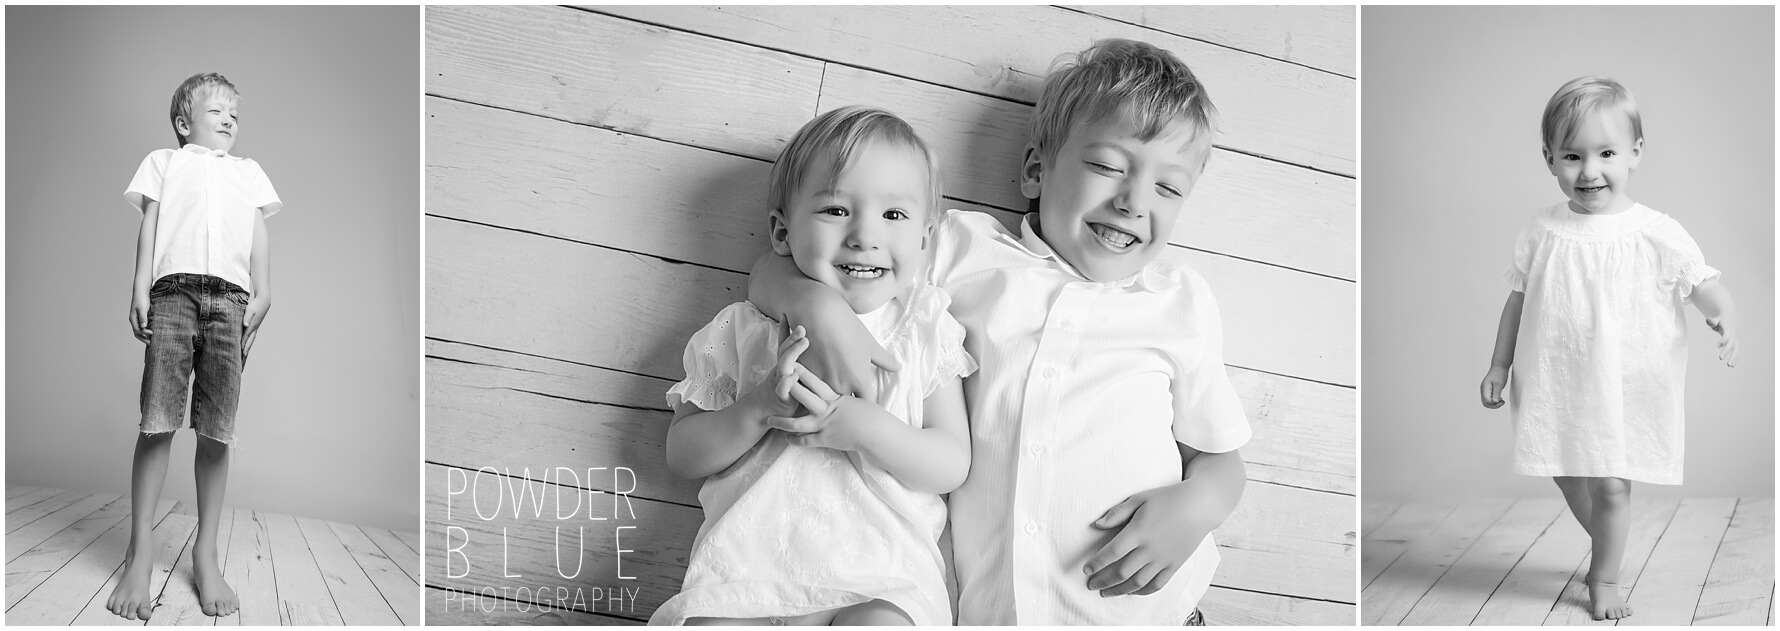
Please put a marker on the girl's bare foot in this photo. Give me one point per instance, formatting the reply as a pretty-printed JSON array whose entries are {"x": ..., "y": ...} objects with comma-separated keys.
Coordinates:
[
  {"x": 1605, "y": 603},
  {"x": 214, "y": 595},
  {"x": 131, "y": 598}
]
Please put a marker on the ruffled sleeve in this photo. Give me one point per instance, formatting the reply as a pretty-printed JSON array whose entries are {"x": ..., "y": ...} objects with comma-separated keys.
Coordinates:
[
  {"x": 727, "y": 358},
  {"x": 1683, "y": 264},
  {"x": 1524, "y": 246},
  {"x": 939, "y": 339}
]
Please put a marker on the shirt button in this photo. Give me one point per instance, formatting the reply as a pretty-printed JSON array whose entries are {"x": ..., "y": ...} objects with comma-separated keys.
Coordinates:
[
  {"x": 1067, "y": 325},
  {"x": 1038, "y": 449},
  {"x": 1050, "y": 372},
  {"x": 1032, "y": 527}
]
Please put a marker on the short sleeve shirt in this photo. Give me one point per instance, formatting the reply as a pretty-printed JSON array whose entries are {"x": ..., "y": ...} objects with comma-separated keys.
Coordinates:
[
  {"x": 208, "y": 201},
  {"x": 1084, "y": 389}
]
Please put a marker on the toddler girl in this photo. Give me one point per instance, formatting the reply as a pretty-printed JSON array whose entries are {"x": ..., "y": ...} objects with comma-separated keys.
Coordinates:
[
  {"x": 823, "y": 508},
  {"x": 1600, "y": 356}
]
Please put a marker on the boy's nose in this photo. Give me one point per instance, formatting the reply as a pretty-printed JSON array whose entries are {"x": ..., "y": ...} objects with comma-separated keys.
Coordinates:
[
  {"x": 863, "y": 236},
  {"x": 1131, "y": 202}
]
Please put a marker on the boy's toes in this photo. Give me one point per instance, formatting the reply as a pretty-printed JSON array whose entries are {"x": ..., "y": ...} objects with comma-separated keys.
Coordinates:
[
  {"x": 143, "y": 612},
  {"x": 210, "y": 608}
]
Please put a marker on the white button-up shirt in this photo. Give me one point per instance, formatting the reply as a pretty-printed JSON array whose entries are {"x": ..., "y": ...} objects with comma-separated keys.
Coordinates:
[
  {"x": 208, "y": 200},
  {"x": 1084, "y": 389}
]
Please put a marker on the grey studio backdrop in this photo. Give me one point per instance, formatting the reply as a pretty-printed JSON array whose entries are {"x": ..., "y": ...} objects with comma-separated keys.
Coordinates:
[
  {"x": 1450, "y": 122},
  {"x": 329, "y": 419}
]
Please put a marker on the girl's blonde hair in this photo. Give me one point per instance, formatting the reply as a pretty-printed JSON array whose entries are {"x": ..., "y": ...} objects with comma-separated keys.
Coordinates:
[
  {"x": 823, "y": 147},
  {"x": 1583, "y": 96}
]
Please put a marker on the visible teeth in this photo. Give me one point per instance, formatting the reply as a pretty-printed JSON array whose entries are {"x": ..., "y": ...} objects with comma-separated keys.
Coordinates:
[
  {"x": 861, "y": 271},
  {"x": 1114, "y": 237}
]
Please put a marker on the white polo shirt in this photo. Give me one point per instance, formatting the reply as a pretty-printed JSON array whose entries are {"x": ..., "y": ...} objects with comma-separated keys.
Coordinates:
[
  {"x": 208, "y": 200},
  {"x": 1084, "y": 389}
]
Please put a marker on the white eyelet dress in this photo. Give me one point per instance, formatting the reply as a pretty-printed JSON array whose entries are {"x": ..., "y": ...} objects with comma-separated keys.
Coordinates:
[
  {"x": 1600, "y": 365},
  {"x": 792, "y": 530}
]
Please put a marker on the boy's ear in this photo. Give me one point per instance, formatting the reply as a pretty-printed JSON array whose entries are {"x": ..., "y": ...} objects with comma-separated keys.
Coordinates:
[
  {"x": 180, "y": 125},
  {"x": 778, "y": 232},
  {"x": 1030, "y": 173}
]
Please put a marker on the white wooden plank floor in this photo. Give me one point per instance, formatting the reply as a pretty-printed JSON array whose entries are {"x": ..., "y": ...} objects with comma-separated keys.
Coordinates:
[
  {"x": 1706, "y": 561},
  {"x": 65, "y": 549}
]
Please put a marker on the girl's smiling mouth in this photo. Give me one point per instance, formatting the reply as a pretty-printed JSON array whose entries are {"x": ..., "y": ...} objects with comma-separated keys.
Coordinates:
[{"x": 861, "y": 271}]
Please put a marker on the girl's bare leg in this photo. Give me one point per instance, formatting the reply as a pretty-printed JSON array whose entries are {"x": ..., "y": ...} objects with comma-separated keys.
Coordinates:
[
  {"x": 1611, "y": 503},
  {"x": 872, "y": 613},
  {"x": 1576, "y": 494},
  {"x": 148, "y": 470}
]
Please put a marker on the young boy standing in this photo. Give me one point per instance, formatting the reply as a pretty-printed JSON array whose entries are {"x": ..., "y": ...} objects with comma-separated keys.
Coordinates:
[
  {"x": 1103, "y": 425},
  {"x": 202, "y": 244}
]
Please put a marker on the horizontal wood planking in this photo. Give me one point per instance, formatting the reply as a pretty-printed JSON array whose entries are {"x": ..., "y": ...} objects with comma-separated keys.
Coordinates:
[
  {"x": 1245, "y": 206},
  {"x": 1389, "y": 541},
  {"x": 508, "y": 614},
  {"x": 1291, "y": 564},
  {"x": 29, "y": 535},
  {"x": 356, "y": 597},
  {"x": 1313, "y": 342},
  {"x": 491, "y": 408},
  {"x": 619, "y": 74},
  {"x": 28, "y": 515},
  {"x": 1740, "y": 589},
  {"x": 1231, "y": 607},
  {"x": 1284, "y": 111},
  {"x": 1321, "y": 37}
]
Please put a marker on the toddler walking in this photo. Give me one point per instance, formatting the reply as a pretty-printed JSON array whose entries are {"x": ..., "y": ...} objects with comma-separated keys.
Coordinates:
[
  {"x": 822, "y": 508},
  {"x": 1595, "y": 328}
]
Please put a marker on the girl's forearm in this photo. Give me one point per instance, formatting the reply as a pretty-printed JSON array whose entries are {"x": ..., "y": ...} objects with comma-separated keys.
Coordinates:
[
  {"x": 145, "y": 248},
  {"x": 930, "y": 460},
  {"x": 260, "y": 260},
  {"x": 1713, "y": 300},
  {"x": 705, "y": 443},
  {"x": 1508, "y": 331}
]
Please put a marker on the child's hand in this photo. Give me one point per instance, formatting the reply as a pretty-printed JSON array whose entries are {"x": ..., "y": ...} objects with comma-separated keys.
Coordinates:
[
  {"x": 836, "y": 352},
  {"x": 1148, "y": 549},
  {"x": 256, "y": 313},
  {"x": 1727, "y": 339},
  {"x": 1493, "y": 383},
  {"x": 139, "y": 317}
]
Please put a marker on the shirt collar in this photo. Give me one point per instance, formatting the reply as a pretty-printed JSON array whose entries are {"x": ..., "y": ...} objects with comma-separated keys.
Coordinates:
[
  {"x": 1149, "y": 278},
  {"x": 200, "y": 150}
]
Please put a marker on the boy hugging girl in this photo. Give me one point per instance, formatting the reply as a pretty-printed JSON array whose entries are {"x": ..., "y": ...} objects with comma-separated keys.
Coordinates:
[
  {"x": 202, "y": 287},
  {"x": 1099, "y": 450}
]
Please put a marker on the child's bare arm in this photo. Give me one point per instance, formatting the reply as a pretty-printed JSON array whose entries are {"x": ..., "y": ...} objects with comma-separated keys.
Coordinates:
[
  {"x": 145, "y": 270},
  {"x": 1161, "y": 527},
  {"x": 933, "y": 459},
  {"x": 260, "y": 268},
  {"x": 1714, "y": 301},
  {"x": 1507, "y": 333},
  {"x": 842, "y": 350},
  {"x": 702, "y": 443}
]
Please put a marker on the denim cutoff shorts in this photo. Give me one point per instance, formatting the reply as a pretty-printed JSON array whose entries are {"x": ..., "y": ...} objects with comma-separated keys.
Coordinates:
[{"x": 197, "y": 324}]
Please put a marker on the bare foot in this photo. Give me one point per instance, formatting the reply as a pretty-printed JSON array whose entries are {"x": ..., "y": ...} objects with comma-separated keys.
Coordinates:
[
  {"x": 214, "y": 595},
  {"x": 131, "y": 598},
  {"x": 1605, "y": 603}
]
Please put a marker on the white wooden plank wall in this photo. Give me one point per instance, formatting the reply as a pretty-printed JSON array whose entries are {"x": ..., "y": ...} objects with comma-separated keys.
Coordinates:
[{"x": 596, "y": 181}]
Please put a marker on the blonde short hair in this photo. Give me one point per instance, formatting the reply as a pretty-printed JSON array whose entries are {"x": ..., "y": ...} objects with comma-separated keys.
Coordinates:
[
  {"x": 1149, "y": 86},
  {"x": 185, "y": 99},
  {"x": 837, "y": 136},
  {"x": 1583, "y": 96}
]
